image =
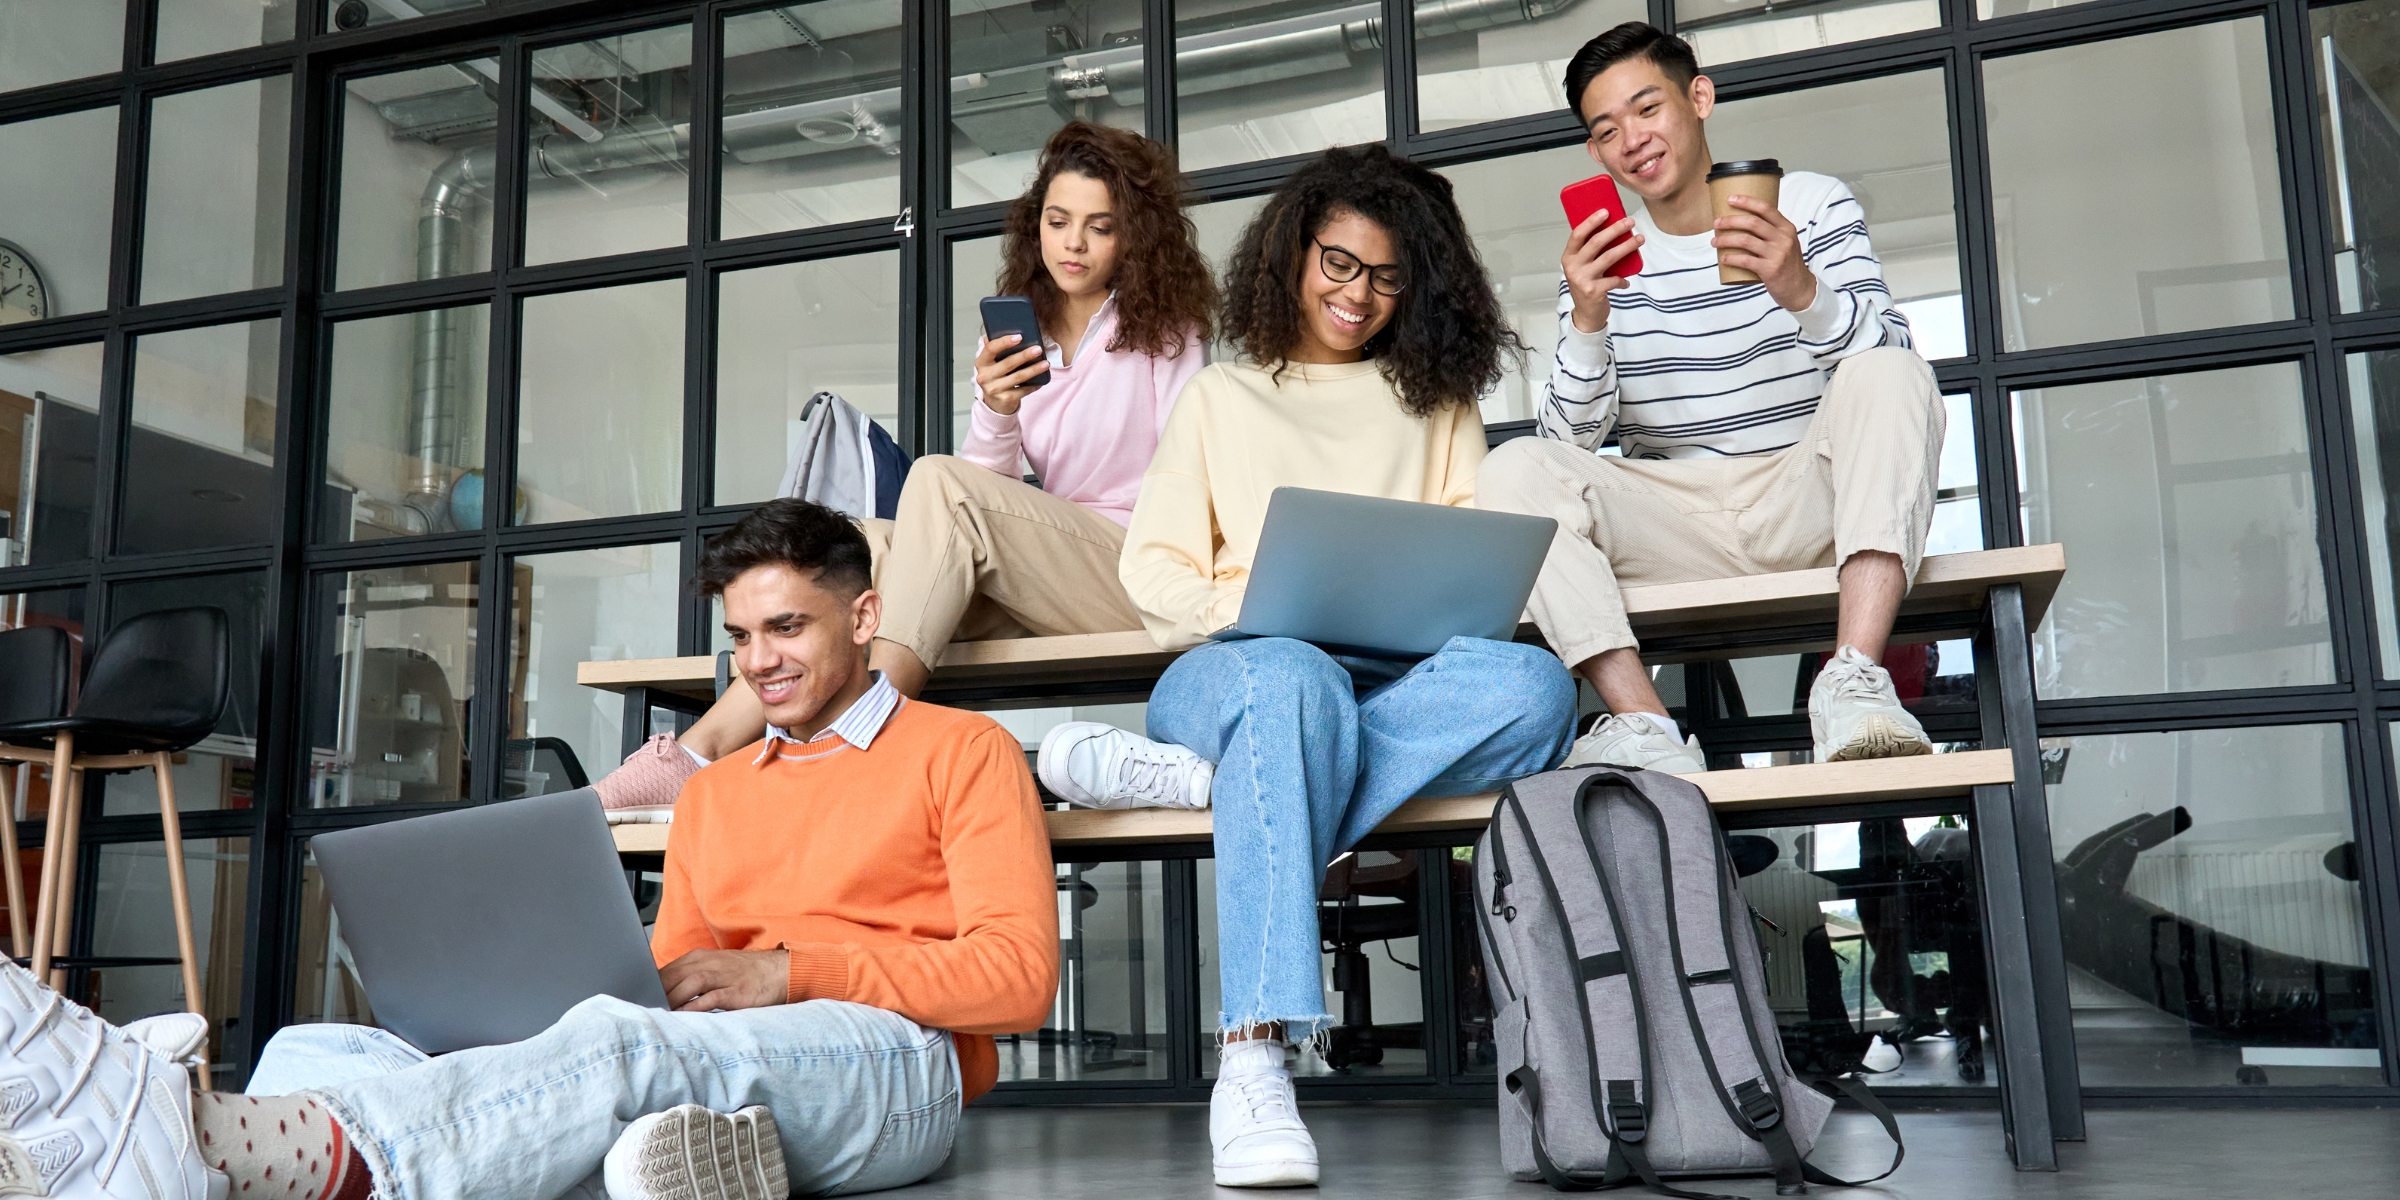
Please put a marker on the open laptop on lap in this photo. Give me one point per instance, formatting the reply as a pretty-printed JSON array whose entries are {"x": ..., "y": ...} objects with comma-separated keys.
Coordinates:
[
  {"x": 484, "y": 926},
  {"x": 1379, "y": 578}
]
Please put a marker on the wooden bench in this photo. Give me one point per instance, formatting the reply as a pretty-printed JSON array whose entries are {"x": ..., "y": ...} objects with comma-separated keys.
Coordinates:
[
  {"x": 1677, "y": 622},
  {"x": 1996, "y": 597},
  {"x": 1079, "y": 831}
]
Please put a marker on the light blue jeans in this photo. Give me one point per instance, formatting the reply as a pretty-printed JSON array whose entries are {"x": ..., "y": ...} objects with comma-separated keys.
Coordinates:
[
  {"x": 863, "y": 1098},
  {"x": 1314, "y": 751}
]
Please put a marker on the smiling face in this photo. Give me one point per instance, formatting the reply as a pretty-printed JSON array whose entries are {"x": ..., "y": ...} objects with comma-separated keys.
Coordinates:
[
  {"x": 1646, "y": 129},
  {"x": 1079, "y": 234},
  {"x": 1337, "y": 320},
  {"x": 799, "y": 646}
]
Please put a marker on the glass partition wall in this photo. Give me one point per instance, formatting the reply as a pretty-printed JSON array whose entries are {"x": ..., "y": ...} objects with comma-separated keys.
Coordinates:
[{"x": 430, "y": 341}]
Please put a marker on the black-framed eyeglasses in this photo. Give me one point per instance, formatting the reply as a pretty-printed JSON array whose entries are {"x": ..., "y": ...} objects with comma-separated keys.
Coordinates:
[{"x": 1341, "y": 266}]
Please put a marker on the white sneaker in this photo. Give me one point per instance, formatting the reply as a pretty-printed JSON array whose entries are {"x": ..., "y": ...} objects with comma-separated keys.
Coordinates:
[
  {"x": 1635, "y": 745},
  {"x": 1853, "y": 712},
  {"x": 1254, "y": 1128},
  {"x": 1091, "y": 765},
  {"x": 86, "y": 1112},
  {"x": 692, "y": 1153}
]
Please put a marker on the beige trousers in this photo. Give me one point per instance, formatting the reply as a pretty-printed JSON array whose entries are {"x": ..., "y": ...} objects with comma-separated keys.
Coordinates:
[
  {"x": 1862, "y": 478},
  {"x": 973, "y": 555}
]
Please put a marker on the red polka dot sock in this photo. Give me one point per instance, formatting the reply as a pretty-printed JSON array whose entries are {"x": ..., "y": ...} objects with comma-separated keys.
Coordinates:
[{"x": 278, "y": 1148}]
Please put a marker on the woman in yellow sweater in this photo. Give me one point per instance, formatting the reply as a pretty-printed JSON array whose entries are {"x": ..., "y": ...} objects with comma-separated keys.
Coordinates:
[{"x": 1367, "y": 329}]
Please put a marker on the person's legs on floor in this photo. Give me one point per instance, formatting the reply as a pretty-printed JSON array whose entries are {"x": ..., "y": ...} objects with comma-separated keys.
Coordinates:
[
  {"x": 323, "y": 1055},
  {"x": 1279, "y": 718},
  {"x": 861, "y": 1098}
]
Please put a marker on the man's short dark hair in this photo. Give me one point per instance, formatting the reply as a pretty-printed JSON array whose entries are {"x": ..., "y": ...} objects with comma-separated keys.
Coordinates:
[
  {"x": 809, "y": 538},
  {"x": 1631, "y": 40}
]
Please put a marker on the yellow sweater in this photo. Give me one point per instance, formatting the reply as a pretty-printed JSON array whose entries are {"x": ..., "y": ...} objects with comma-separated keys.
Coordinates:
[{"x": 1234, "y": 437}]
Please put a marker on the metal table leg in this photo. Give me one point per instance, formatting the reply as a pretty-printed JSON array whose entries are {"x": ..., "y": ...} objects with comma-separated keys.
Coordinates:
[
  {"x": 636, "y": 725},
  {"x": 2037, "y": 864},
  {"x": 2001, "y": 884}
]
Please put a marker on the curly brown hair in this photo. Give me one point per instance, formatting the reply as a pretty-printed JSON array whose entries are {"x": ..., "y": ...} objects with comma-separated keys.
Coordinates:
[
  {"x": 1165, "y": 292},
  {"x": 1446, "y": 341}
]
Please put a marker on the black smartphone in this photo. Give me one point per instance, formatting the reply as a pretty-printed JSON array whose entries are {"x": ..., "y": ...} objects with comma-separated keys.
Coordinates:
[{"x": 1014, "y": 314}]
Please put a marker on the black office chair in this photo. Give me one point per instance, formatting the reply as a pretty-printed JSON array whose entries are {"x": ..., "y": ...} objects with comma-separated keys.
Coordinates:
[
  {"x": 37, "y": 671},
  {"x": 547, "y": 762},
  {"x": 1346, "y": 927},
  {"x": 158, "y": 684}
]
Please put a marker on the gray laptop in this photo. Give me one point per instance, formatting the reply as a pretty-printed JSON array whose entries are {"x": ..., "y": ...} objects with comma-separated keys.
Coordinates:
[
  {"x": 1380, "y": 578},
  {"x": 485, "y": 925}
]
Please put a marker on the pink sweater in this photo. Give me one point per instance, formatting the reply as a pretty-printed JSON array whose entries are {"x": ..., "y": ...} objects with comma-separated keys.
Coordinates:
[{"x": 1091, "y": 430}]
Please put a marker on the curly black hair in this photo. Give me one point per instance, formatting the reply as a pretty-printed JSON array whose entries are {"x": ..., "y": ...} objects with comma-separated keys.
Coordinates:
[{"x": 1446, "y": 339}]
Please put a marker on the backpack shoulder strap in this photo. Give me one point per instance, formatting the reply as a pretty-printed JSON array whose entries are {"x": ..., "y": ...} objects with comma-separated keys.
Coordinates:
[
  {"x": 1627, "y": 1099},
  {"x": 1697, "y": 882},
  {"x": 1850, "y": 1085},
  {"x": 1558, "y": 848}
]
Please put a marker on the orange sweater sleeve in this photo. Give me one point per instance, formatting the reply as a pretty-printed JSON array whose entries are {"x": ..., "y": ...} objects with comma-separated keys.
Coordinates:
[
  {"x": 1000, "y": 973},
  {"x": 680, "y": 929}
]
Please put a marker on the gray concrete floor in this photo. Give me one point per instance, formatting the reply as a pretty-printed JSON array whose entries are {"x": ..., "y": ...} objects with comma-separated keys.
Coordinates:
[{"x": 1407, "y": 1151}]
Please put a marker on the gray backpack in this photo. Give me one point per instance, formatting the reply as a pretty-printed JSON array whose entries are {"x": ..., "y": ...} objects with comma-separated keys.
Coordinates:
[{"x": 1630, "y": 1006}]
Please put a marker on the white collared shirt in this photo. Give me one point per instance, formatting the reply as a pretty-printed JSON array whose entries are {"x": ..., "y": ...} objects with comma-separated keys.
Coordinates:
[{"x": 858, "y": 726}]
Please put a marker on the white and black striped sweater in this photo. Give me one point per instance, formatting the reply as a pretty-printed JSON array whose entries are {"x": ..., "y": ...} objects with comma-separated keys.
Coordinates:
[{"x": 1691, "y": 367}]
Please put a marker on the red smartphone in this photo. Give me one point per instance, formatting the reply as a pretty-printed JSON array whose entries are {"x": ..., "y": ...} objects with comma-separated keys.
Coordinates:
[{"x": 1589, "y": 196}]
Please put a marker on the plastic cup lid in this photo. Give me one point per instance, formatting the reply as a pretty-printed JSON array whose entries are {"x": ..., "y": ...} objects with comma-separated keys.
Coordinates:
[{"x": 1748, "y": 166}]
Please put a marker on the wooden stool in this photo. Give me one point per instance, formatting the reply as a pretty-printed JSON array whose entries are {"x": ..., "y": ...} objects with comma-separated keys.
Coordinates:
[{"x": 158, "y": 684}]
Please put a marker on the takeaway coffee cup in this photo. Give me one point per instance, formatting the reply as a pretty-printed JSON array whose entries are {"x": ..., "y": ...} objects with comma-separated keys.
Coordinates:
[{"x": 1760, "y": 178}]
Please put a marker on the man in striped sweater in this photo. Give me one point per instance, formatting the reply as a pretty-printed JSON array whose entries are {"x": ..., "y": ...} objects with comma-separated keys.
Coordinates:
[{"x": 1770, "y": 426}]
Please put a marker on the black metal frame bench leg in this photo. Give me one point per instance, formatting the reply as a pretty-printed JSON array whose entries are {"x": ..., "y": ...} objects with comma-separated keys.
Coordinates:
[
  {"x": 639, "y": 700},
  {"x": 635, "y": 728},
  {"x": 2041, "y": 1096}
]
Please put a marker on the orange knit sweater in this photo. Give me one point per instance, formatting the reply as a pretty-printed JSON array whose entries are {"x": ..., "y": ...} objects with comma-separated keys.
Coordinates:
[{"x": 913, "y": 876}]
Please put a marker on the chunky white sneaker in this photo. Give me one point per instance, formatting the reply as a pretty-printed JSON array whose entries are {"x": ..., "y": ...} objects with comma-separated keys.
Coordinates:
[
  {"x": 1635, "y": 745},
  {"x": 1853, "y": 712},
  {"x": 1091, "y": 765},
  {"x": 86, "y": 1112},
  {"x": 1254, "y": 1129},
  {"x": 691, "y": 1153}
]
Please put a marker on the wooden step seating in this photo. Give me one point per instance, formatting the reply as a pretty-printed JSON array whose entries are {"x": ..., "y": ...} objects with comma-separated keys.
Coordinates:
[
  {"x": 1759, "y": 614},
  {"x": 1997, "y": 597},
  {"x": 1083, "y": 831}
]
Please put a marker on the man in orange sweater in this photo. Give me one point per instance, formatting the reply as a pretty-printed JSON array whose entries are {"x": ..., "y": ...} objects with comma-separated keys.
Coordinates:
[{"x": 852, "y": 908}]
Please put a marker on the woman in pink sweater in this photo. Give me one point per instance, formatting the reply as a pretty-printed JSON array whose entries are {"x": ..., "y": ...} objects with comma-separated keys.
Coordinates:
[{"x": 1102, "y": 246}]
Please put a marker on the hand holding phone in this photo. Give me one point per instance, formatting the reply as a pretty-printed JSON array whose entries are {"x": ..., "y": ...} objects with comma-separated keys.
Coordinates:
[
  {"x": 1012, "y": 361},
  {"x": 1585, "y": 197},
  {"x": 1603, "y": 251}
]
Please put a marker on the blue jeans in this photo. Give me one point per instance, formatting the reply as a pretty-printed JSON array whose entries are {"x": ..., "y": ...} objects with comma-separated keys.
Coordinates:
[
  {"x": 863, "y": 1098},
  {"x": 1312, "y": 752}
]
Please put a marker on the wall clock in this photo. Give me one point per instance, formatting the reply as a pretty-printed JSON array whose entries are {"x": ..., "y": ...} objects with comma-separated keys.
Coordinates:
[{"x": 24, "y": 295}]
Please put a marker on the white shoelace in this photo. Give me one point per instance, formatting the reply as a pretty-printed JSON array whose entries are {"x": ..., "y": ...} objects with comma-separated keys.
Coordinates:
[
  {"x": 1148, "y": 774},
  {"x": 1267, "y": 1093},
  {"x": 1858, "y": 680}
]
